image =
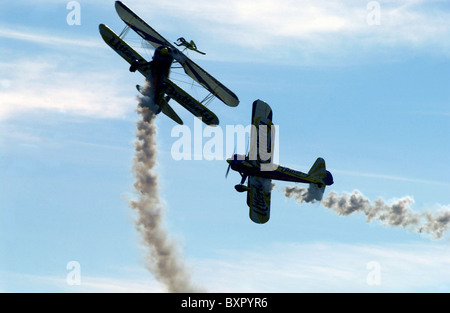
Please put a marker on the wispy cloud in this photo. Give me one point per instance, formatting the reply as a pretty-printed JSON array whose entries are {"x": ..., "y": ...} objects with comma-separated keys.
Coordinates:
[
  {"x": 29, "y": 35},
  {"x": 390, "y": 177},
  {"x": 310, "y": 29},
  {"x": 329, "y": 267},
  {"x": 282, "y": 267},
  {"x": 37, "y": 84},
  {"x": 23, "y": 282},
  {"x": 307, "y": 31}
]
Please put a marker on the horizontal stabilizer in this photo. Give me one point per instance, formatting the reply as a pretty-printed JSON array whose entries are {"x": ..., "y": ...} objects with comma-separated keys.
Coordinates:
[
  {"x": 316, "y": 192},
  {"x": 167, "y": 110},
  {"x": 162, "y": 107}
]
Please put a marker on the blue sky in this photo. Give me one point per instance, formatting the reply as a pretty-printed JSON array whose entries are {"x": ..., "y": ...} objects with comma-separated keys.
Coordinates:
[{"x": 372, "y": 100}]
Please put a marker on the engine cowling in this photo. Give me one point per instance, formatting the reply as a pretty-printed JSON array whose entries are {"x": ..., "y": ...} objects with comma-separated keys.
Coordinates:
[{"x": 134, "y": 66}]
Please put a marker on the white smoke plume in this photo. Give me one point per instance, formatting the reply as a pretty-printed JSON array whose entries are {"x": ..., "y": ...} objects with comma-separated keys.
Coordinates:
[
  {"x": 164, "y": 260},
  {"x": 397, "y": 213},
  {"x": 312, "y": 194}
]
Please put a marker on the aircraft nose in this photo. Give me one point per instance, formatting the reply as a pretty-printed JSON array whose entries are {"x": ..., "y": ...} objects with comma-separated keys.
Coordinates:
[{"x": 233, "y": 158}]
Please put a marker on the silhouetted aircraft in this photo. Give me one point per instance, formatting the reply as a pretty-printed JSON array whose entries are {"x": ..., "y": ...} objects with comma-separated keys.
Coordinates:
[
  {"x": 157, "y": 71},
  {"x": 257, "y": 166}
]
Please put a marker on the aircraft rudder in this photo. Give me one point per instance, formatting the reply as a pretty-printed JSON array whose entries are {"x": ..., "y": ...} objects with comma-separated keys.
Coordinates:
[{"x": 319, "y": 170}]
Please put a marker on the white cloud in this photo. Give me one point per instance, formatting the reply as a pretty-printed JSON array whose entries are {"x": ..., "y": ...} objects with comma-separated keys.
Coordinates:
[
  {"x": 329, "y": 267},
  {"x": 390, "y": 177},
  {"x": 42, "y": 38},
  {"x": 289, "y": 31},
  {"x": 284, "y": 268},
  {"x": 21, "y": 282},
  {"x": 38, "y": 84},
  {"x": 293, "y": 30}
]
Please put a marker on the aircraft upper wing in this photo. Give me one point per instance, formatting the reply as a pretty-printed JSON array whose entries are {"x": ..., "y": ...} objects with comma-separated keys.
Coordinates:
[
  {"x": 190, "y": 67},
  {"x": 209, "y": 82},
  {"x": 258, "y": 198},
  {"x": 139, "y": 26},
  {"x": 262, "y": 133}
]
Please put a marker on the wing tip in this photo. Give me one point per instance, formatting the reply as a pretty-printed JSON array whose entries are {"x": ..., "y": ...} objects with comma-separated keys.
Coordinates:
[{"x": 258, "y": 218}]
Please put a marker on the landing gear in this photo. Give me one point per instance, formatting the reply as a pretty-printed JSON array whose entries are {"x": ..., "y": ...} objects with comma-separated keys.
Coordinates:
[
  {"x": 241, "y": 188},
  {"x": 244, "y": 177}
]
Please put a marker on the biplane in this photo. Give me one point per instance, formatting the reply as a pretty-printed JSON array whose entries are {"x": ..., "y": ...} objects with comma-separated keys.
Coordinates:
[
  {"x": 258, "y": 168},
  {"x": 157, "y": 71}
]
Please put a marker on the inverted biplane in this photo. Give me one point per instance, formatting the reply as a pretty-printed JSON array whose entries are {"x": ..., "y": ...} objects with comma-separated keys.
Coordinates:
[
  {"x": 158, "y": 69},
  {"x": 257, "y": 166}
]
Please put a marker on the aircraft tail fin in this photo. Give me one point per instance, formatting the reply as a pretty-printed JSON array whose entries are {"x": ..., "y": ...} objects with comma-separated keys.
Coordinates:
[
  {"x": 318, "y": 168},
  {"x": 318, "y": 171}
]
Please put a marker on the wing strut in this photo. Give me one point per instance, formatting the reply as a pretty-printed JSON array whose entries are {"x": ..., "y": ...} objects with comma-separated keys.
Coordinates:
[
  {"x": 124, "y": 32},
  {"x": 207, "y": 100}
]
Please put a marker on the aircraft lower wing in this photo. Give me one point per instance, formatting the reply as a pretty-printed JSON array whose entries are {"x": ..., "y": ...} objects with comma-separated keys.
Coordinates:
[
  {"x": 190, "y": 104},
  {"x": 258, "y": 198},
  {"x": 190, "y": 67},
  {"x": 123, "y": 49}
]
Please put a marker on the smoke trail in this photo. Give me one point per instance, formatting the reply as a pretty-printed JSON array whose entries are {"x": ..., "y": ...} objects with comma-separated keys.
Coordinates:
[
  {"x": 164, "y": 260},
  {"x": 398, "y": 213},
  {"x": 312, "y": 194}
]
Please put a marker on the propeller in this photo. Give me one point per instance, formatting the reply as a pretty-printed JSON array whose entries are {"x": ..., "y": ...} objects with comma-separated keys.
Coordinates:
[
  {"x": 228, "y": 170},
  {"x": 229, "y": 163}
]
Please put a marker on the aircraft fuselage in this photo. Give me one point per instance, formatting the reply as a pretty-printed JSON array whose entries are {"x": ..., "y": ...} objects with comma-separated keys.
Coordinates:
[
  {"x": 248, "y": 167},
  {"x": 160, "y": 69}
]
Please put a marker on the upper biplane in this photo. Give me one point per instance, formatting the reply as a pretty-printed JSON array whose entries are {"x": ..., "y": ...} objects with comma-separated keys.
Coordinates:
[
  {"x": 257, "y": 166},
  {"x": 157, "y": 70}
]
